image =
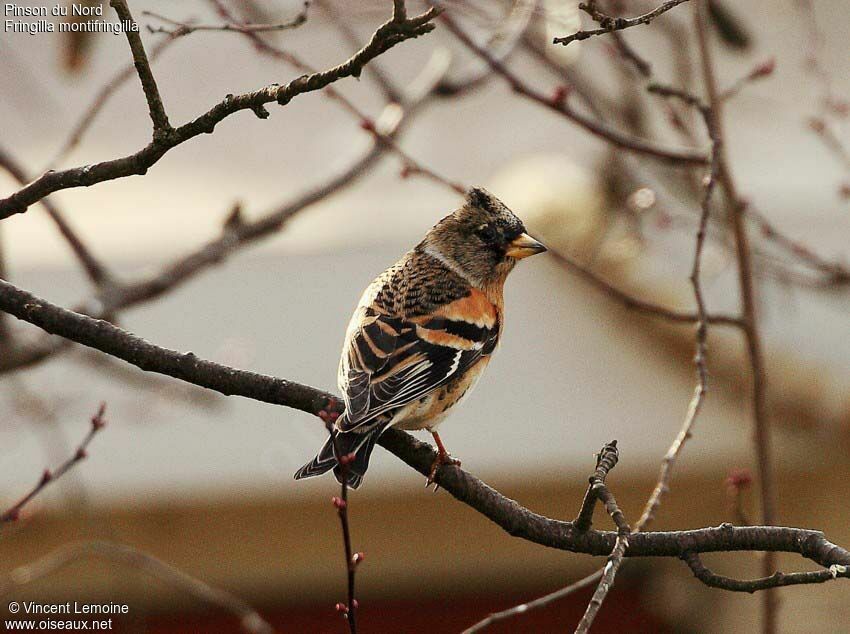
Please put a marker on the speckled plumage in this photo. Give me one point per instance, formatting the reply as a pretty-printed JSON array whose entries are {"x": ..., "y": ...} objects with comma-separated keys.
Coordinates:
[
  {"x": 424, "y": 331},
  {"x": 416, "y": 285}
]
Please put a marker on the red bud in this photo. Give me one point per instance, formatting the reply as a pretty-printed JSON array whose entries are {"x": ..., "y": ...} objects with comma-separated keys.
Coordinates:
[
  {"x": 739, "y": 478},
  {"x": 764, "y": 69},
  {"x": 559, "y": 95},
  {"x": 97, "y": 421}
]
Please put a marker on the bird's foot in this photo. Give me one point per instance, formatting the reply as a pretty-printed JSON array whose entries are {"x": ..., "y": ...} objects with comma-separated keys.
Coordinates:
[{"x": 442, "y": 458}]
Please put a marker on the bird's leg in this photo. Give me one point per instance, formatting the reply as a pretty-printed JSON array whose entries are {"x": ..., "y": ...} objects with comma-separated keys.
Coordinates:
[{"x": 443, "y": 457}]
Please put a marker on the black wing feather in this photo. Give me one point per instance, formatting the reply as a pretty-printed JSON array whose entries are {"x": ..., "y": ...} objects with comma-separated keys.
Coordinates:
[{"x": 389, "y": 365}]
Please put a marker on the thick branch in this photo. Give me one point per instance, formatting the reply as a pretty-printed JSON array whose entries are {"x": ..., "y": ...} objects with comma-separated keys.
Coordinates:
[
  {"x": 186, "y": 366},
  {"x": 511, "y": 516},
  {"x": 521, "y": 522}
]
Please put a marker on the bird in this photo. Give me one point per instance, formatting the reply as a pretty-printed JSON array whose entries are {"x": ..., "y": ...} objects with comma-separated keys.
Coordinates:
[{"x": 423, "y": 333}]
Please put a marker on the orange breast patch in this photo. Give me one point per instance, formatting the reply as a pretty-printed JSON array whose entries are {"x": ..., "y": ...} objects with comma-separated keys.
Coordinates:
[{"x": 474, "y": 309}]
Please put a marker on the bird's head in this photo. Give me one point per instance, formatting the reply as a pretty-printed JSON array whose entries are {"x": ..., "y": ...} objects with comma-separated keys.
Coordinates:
[{"x": 482, "y": 240}]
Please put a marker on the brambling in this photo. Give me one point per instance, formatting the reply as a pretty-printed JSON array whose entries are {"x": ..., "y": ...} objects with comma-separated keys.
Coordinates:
[{"x": 424, "y": 332}]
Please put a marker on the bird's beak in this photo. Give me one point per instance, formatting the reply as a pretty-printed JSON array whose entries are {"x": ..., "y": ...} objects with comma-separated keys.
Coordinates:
[{"x": 524, "y": 245}]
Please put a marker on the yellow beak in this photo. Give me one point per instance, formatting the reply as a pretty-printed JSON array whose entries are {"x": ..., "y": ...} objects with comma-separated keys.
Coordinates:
[{"x": 524, "y": 245}]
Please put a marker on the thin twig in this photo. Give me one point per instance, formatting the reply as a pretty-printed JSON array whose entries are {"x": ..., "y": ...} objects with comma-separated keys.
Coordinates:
[
  {"x": 237, "y": 233},
  {"x": 560, "y": 105},
  {"x": 540, "y": 602},
  {"x": 635, "y": 303},
  {"x": 382, "y": 78},
  {"x": 182, "y": 28},
  {"x": 703, "y": 319},
  {"x": 352, "y": 559},
  {"x": 760, "y": 71},
  {"x": 109, "y": 88},
  {"x": 736, "y": 211},
  {"x": 94, "y": 268},
  {"x": 776, "y": 580},
  {"x": 609, "y": 23},
  {"x": 609, "y": 572},
  {"x": 607, "y": 460},
  {"x": 836, "y": 273},
  {"x": 158, "y": 116},
  {"x": 97, "y": 423},
  {"x": 384, "y": 38},
  {"x": 410, "y": 166}
]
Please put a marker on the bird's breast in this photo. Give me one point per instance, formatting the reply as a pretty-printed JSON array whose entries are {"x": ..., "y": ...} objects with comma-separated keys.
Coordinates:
[{"x": 429, "y": 411}]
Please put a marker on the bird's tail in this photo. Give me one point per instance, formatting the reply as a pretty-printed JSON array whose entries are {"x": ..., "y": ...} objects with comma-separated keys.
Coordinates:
[{"x": 360, "y": 444}]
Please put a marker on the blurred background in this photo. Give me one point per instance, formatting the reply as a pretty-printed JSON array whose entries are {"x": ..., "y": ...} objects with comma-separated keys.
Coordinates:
[{"x": 204, "y": 482}]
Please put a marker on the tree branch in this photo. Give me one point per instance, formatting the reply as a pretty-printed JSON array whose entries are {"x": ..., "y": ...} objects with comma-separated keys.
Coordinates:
[
  {"x": 562, "y": 107},
  {"x": 736, "y": 210},
  {"x": 598, "y": 489},
  {"x": 352, "y": 559},
  {"x": 513, "y": 518},
  {"x": 525, "y": 524},
  {"x": 112, "y": 340},
  {"x": 236, "y": 234},
  {"x": 100, "y": 99},
  {"x": 97, "y": 423},
  {"x": 233, "y": 27},
  {"x": 610, "y": 24},
  {"x": 95, "y": 270},
  {"x": 540, "y": 602},
  {"x": 385, "y": 37},
  {"x": 776, "y": 580},
  {"x": 161, "y": 126}
]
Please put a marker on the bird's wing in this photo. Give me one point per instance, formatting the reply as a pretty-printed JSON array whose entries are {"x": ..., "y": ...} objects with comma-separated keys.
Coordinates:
[{"x": 392, "y": 361}]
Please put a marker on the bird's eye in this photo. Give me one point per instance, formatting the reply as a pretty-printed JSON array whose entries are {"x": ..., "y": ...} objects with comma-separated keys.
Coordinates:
[{"x": 487, "y": 233}]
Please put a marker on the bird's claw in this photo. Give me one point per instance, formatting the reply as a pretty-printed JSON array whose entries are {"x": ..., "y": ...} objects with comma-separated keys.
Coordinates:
[{"x": 440, "y": 460}]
